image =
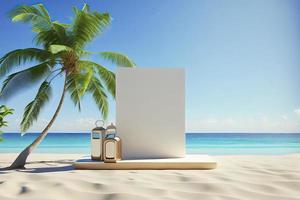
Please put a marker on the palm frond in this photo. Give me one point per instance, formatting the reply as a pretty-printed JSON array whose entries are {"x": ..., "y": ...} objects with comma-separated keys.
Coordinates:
[
  {"x": 57, "y": 34},
  {"x": 107, "y": 76},
  {"x": 4, "y": 111},
  {"x": 21, "y": 56},
  {"x": 49, "y": 37},
  {"x": 32, "y": 110},
  {"x": 36, "y": 15},
  {"x": 87, "y": 73},
  {"x": 85, "y": 80},
  {"x": 61, "y": 32},
  {"x": 48, "y": 32},
  {"x": 22, "y": 79},
  {"x": 87, "y": 26},
  {"x": 78, "y": 83},
  {"x": 57, "y": 48},
  {"x": 117, "y": 58},
  {"x": 44, "y": 11},
  {"x": 85, "y": 8},
  {"x": 74, "y": 88},
  {"x": 84, "y": 54},
  {"x": 99, "y": 96}
]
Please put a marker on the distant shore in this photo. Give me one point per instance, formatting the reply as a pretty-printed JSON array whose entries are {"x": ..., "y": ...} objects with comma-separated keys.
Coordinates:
[{"x": 51, "y": 176}]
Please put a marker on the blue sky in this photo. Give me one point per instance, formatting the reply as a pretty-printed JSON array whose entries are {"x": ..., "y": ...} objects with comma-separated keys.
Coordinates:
[{"x": 241, "y": 59}]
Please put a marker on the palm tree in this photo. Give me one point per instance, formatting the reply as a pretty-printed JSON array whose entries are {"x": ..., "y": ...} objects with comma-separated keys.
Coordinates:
[
  {"x": 4, "y": 111},
  {"x": 60, "y": 51}
]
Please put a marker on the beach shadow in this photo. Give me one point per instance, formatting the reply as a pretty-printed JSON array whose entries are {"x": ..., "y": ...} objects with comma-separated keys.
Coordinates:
[
  {"x": 47, "y": 169},
  {"x": 51, "y": 162},
  {"x": 68, "y": 166}
]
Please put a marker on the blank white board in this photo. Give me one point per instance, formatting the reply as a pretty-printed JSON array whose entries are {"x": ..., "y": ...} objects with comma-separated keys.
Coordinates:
[{"x": 150, "y": 111}]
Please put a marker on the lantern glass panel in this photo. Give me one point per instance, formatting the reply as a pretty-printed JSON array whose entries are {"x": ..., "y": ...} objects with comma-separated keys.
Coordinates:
[
  {"x": 96, "y": 135},
  {"x": 111, "y": 131}
]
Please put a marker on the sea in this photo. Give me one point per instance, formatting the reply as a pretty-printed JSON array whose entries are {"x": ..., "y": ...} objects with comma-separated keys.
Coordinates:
[{"x": 196, "y": 143}]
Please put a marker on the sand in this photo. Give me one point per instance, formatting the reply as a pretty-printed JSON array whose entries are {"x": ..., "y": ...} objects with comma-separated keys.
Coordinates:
[{"x": 237, "y": 177}]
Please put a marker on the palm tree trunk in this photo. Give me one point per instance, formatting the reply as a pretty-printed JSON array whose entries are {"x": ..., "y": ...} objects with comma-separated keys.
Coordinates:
[{"x": 20, "y": 161}]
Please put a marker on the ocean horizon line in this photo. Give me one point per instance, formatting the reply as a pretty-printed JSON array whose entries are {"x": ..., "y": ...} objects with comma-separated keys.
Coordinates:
[
  {"x": 196, "y": 143},
  {"x": 79, "y": 132}
]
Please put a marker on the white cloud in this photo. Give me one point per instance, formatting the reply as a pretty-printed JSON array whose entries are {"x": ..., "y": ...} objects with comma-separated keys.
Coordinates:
[
  {"x": 297, "y": 111},
  {"x": 66, "y": 125},
  {"x": 275, "y": 124},
  {"x": 75, "y": 125}
]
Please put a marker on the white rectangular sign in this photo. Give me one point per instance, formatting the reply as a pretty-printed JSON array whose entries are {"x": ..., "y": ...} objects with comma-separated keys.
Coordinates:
[{"x": 151, "y": 112}]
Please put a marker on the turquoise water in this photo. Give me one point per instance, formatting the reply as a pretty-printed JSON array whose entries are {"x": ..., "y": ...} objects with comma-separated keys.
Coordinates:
[{"x": 196, "y": 143}]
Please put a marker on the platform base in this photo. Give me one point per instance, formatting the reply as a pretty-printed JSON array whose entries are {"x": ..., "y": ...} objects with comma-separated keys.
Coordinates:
[{"x": 186, "y": 163}]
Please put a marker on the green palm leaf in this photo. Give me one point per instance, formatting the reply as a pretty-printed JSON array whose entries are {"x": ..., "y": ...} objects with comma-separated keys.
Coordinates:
[
  {"x": 21, "y": 56},
  {"x": 44, "y": 12},
  {"x": 57, "y": 34},
  {"x": 57, "y": 48},
  {"x": 3, "y": 112},
  {"x": 117, "y": 58},
  {"x": 32, "y": 110},
  {"x": 99, "y": 96},
  {"x": 49, "y": 37},
  {"x": 37, "y": 15},
  {"x": 108, "y": 77},
  {"x": 78, "y": 83},
  {"x": 87, "y": 26},
  {"x": 86, "y": 71},
  {"x": 86, "y": 8},
  {"x": 24, "y": 78},
  {"x": 74, "y": 88}
]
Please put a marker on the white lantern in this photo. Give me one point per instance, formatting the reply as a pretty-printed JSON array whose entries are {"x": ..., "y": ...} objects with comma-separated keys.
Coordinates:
[
  {"x": 112, "y": 145},
  {"x": 97, "y": 137}
]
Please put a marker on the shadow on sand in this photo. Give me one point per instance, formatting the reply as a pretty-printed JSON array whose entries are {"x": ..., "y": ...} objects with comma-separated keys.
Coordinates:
[{"x": 51, "y": 166}]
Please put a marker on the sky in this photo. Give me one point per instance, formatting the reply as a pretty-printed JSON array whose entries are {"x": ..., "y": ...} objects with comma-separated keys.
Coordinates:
[{"x": 241, "y": 59}]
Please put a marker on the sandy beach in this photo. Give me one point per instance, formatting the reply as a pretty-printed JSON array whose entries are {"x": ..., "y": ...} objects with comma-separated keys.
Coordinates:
[{"x": 51, "y": 176}]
